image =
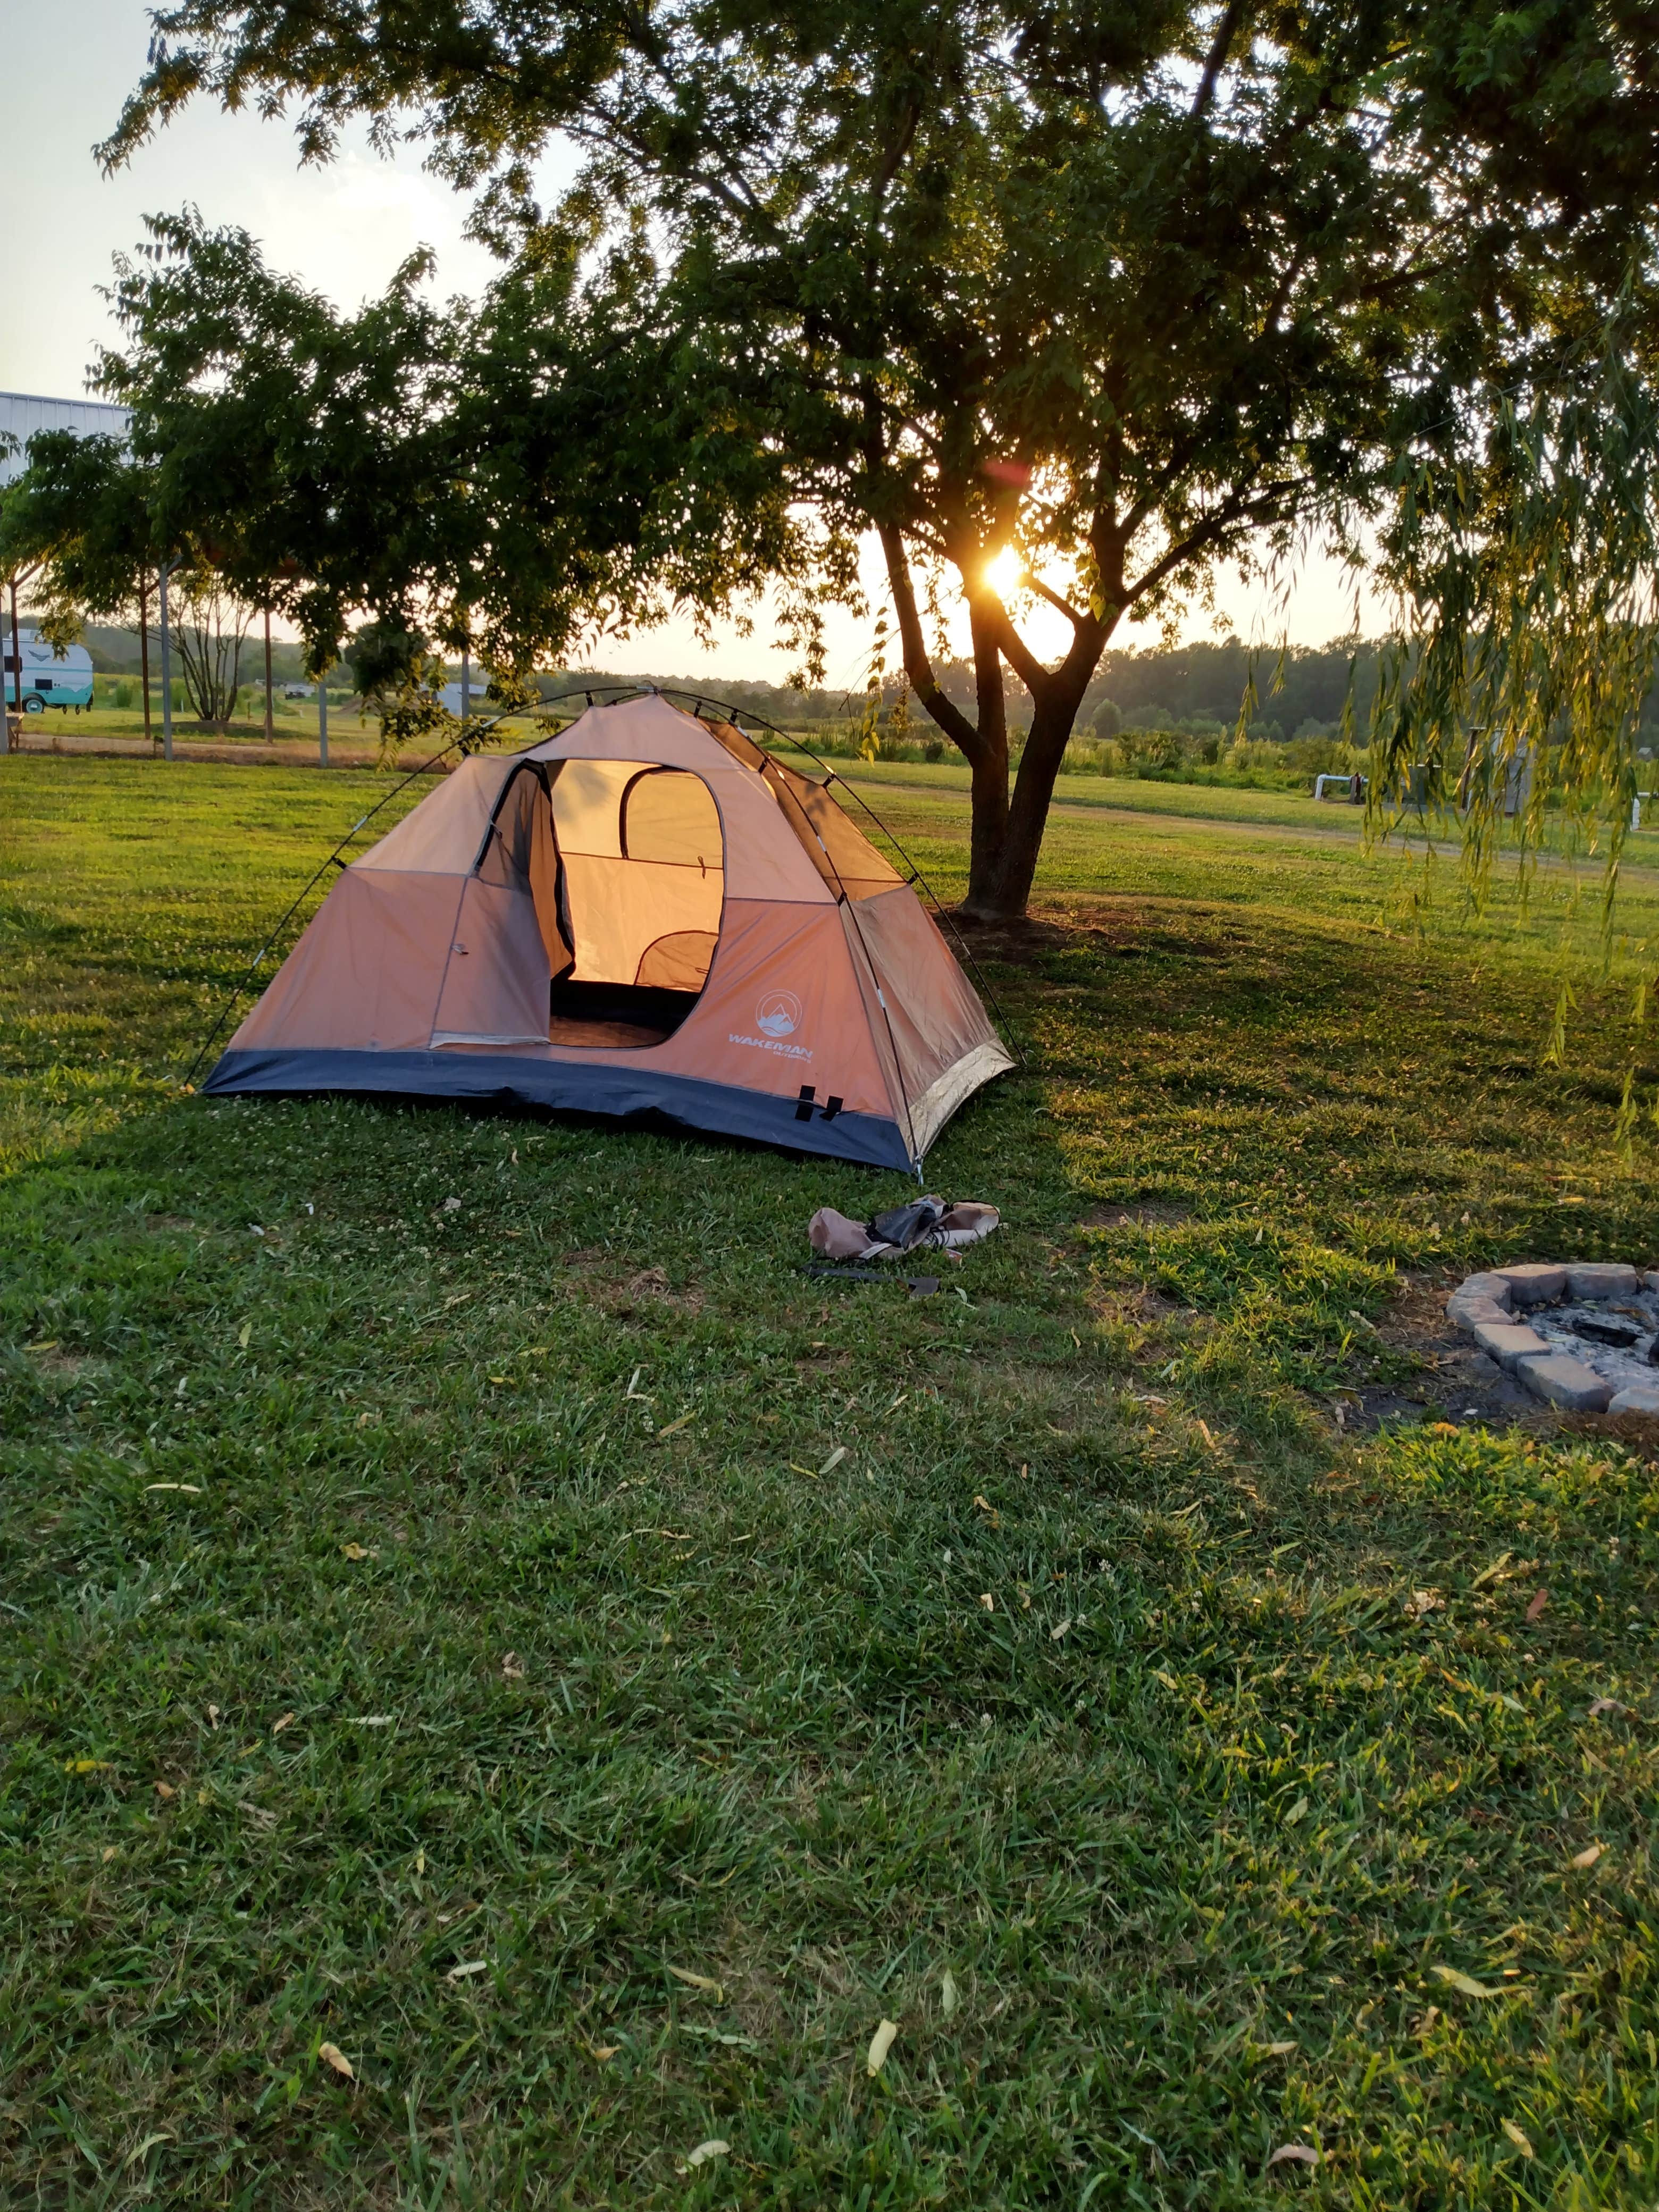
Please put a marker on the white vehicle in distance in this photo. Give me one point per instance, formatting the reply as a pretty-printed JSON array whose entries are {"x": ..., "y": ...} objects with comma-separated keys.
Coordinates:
[{"x": 48, "y": 679}]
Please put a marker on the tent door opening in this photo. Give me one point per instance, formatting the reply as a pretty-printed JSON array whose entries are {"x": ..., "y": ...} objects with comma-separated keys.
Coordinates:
[{"x": 623, "y": 863}]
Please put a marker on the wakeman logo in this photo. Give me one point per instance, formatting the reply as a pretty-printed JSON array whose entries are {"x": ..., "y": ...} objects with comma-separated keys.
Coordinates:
[{"x": 778, "y": 1016}]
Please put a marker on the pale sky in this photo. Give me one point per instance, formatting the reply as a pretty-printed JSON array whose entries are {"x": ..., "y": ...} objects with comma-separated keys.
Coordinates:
[{"x": 344, "y": 230}]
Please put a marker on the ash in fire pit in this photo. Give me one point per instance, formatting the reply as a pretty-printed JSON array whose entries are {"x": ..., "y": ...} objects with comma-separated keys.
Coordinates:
[{"x": 1586, "y": 1337}]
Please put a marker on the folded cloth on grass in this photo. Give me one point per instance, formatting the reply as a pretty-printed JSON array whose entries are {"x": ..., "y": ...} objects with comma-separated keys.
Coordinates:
[{"x": 927, "y": 1224}]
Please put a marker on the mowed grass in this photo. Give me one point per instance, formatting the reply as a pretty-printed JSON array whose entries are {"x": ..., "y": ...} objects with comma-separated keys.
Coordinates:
[{"x": 589, "y": 1674}]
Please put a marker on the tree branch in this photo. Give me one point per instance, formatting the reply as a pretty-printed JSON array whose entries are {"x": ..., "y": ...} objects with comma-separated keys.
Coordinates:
[
  {"x": 1011, "y": 646},
  {"x": 917, "y": 665},
  {"x": 1220, "y": 46},
  {"x": 1056, "y": 599}
]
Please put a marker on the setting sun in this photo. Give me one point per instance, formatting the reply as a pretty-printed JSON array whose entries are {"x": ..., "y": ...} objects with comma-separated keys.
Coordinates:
[{"x": 1005, "y": 574}]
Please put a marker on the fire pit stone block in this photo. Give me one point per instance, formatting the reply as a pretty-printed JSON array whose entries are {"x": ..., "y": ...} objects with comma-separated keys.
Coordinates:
[
  {"x": 1603, "y": 1278},
  {"x": 1566, "y": 1381},
  {"x": 1479, "y": 1298},
  {"x": 1534, "y": 1283},
  {"x": 1639, "y": 1398},
  {"x": 1509, "y": 1342}
]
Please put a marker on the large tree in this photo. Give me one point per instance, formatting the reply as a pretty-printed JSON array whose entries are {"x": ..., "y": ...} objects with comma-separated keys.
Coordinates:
[{"x": 1068, "y": 304}]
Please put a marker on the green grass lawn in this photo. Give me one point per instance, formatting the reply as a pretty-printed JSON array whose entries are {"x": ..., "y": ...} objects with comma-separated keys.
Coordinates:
[{"x": 550, "y": 1651}]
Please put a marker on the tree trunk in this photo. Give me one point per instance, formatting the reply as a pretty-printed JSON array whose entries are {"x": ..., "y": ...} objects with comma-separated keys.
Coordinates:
[
  {"x": 988, "y": 799},
  {"x": 143, "y": 654},
  {"x": 1002, "y": 890}
]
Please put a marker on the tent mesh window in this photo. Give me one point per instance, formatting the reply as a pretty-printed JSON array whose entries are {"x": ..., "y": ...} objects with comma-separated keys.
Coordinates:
[{"x": 625, "y": 863}]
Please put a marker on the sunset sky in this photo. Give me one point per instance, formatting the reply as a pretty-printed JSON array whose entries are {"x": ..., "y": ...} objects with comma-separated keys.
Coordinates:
[{"x": 342, "y": 230}]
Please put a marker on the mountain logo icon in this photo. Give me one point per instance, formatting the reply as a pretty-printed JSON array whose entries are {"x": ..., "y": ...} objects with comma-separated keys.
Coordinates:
[{"x": 778, "y": 1014}]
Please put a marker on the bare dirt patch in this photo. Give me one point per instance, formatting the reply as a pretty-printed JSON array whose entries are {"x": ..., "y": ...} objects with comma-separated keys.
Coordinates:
[
  {"x": 1455, "y": 1381},
  {"x": 1143, "y": 1214}
]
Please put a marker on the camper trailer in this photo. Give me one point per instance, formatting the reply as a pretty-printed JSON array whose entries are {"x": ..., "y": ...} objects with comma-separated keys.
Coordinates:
[{"x": 47, "y": 677}]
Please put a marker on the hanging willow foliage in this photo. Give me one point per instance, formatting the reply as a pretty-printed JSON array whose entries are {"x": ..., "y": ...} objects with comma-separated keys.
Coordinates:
[{"x": 1522, "y": 549}]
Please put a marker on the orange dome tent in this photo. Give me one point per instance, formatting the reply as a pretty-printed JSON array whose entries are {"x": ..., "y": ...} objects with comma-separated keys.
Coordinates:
[{"x": 645, "y": 913}]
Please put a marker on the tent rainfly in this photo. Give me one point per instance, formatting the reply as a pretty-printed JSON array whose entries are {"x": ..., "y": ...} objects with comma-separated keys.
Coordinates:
[{"x": 646, "y": 913}]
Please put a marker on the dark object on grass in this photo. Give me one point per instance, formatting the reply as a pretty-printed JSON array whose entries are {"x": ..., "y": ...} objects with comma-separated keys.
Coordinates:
[
  {"x": 1608, "y": 1332},
  {"x": 920, "y": 1286}
]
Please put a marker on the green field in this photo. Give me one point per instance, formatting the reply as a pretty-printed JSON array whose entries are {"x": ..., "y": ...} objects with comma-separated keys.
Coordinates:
[{"x": 588, "y": 1675}]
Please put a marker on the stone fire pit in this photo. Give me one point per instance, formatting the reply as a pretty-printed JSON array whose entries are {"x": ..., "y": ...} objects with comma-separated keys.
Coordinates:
[{"x": 1584, "y": 1336}]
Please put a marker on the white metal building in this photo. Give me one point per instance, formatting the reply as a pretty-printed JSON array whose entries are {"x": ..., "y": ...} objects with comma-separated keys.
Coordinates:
[{"x": 23, "y": 413}]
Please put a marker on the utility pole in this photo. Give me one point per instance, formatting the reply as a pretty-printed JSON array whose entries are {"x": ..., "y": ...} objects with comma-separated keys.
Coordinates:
[
  {"x": 466, "y": 682},
  {"x": 322, "y": 720},
  {"x": 166, "y": 668},
  {"x": 271, "y": 725}
]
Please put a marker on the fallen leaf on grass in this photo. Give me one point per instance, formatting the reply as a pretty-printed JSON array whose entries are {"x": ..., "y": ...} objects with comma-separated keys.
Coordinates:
[
  {"x": 286, "y": 1722},
  {"x": 110, "y": 1852},
  {"x": 1296, "y": 1811},
  {"x": 1516, "y": 2137},
  {"x": 245, "y": 1334},
  {"x": 605, "y": 2052},
  {"x": 356, "y": 1552},
  {"x": 50, "y": 1344},
  {"x": 987, "y": 1602},
  {"x": 1466, "y": 1983},
  {"x": 713, "y": 2148},
  {"x": 213, "y": 1714},
  {"x": 1491, "y": 1574},
  {"x": 834, "y": 1460},
  {"x": 696, "y": 1981},
  {"x": 332, "y": 2055},
  {"x": 1062, "y": 1629},
  {"x": 880, "y": 2044},
  {"x": 188, "y": 1488},
  {"x": 468, "y": 1968},
  {"x": 88, "y": 1766},
  {"x": 1300, "y": 2153},
  {"x": 669, "y": 1427},
  {"x": 1587, "y": 1857},
  {"x": 1537, "y": 1606},
  {"x": 164, "y": 1790},
  {"x": 1168, "y": 1681},
  {"x": 1279, "y": 2049},
  {"x": 1599, "y": 1705},
  {"x": 512, "y": 1667},
  {"x": 947, "y": 1993}
]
